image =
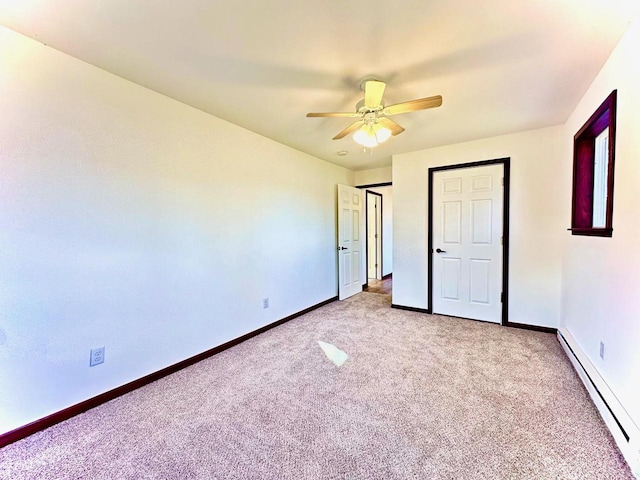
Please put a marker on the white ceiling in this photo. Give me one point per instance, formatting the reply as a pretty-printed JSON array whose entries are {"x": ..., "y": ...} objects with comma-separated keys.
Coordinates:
[{"x": 501, "y": 65}]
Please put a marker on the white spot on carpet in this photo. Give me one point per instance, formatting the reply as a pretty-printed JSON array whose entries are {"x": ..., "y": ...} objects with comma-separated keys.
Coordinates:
[{"x": 333, "y": 353}]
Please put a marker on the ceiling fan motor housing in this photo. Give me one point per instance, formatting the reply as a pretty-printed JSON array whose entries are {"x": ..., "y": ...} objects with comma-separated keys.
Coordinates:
[
  {"x": 361, "y": 108},
  {"x": 370, "y": 118}
]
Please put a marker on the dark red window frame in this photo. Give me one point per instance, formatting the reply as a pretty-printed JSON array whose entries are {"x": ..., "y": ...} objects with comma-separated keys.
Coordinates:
[{"x": 583, "y": 170}]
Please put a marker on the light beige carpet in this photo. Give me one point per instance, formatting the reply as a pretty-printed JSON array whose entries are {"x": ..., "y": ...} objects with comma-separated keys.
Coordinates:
[{"x": 419, "y": 397}]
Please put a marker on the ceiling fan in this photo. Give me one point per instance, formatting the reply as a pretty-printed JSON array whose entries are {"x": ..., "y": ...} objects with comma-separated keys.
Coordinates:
[{"x": 374, "y": 126}]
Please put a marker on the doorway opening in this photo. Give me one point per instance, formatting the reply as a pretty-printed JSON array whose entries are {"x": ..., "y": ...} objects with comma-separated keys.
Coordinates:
[
  {"x": 384, "y": 286},
  {"x": 380, "y": 248},
  {"x": 374, "y": 235}
]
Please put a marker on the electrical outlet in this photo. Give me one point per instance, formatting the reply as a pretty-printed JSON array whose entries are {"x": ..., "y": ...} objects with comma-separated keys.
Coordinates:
[
  {"x": 97, "y": 356},
  {"x": 602, "y": 350},
  {"x": 265, "y": 303}
]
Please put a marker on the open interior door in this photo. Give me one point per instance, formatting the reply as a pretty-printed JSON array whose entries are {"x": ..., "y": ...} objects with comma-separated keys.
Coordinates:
[{"x": 349, "y": 241}]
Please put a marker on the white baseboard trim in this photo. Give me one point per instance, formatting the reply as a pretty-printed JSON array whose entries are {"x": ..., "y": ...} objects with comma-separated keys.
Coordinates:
[{"x": 623, "y": 429}]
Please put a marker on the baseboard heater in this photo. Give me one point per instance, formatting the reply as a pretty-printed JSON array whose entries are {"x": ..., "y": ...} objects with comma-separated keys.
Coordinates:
[{"x": 623, "y": 429}]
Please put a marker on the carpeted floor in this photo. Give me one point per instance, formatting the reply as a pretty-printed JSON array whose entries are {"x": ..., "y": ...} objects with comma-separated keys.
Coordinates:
[{"x": 420, "y": 397}]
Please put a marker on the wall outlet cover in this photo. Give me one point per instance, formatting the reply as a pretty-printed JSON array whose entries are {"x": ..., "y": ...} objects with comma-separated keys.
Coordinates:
[{"x": 97, "y": 356}]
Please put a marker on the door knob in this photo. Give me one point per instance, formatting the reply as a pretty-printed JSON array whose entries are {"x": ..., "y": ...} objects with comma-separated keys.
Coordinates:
[
  {"x": 343, "y": 248},
  {"x": 440, "y": 251}
]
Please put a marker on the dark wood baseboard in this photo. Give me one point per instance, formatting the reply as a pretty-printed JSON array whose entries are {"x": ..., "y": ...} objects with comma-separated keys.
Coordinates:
[
  {"x": 535, "y": 328},
  {"x": 384, "y": 277},
  {"x": 411, "y": 309},
  {"x": 57, "y": 417}
]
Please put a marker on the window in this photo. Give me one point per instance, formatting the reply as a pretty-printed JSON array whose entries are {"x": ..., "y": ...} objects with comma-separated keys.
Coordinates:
[{"x": 593, "y": 159}]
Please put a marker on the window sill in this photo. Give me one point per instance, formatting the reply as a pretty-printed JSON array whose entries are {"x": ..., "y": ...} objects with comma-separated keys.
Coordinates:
[{"x": 592, "y": 232}]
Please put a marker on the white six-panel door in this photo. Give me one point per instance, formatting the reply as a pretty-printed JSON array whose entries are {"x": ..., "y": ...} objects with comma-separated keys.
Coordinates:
[
  {"x": 467, "y": 242},
  {"x": 349, "y": 241}
]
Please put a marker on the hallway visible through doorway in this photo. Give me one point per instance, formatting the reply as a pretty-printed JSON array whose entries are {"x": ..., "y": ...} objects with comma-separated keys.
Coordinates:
[{"x": 383, "y": 286}]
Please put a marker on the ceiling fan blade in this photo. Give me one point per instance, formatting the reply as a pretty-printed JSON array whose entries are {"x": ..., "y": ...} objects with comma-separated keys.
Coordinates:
[
  {"x": 373, "y": 91},
  {"x": 351, "y": 128},
  {"x": 335, "y": 114},
  {"x": 391, "y": 125},
  {"x": 413, "y": 105}
]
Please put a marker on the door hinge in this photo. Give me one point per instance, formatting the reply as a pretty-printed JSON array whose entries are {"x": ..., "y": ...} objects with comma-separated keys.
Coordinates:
[
  {"x": 502, "y": 297},
  {"x": 501, "y": 240},
  {"x": 376, "y": 265},
  {"x": 376, "y": 235},
  {"x": 502, "y": 181}
]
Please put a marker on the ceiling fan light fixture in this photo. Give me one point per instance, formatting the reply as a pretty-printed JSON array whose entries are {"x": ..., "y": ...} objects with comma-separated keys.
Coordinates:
[
  {"x": 362, "y": 137},
  {"x": 382, "y": 133},
  {"x": 370, "y": 136}
]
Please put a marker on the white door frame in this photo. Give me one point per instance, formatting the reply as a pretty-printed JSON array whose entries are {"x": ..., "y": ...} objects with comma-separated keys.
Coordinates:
[
  {"x": 378, "y": 231},
  {"x": 505, "y": 222},
  {"x": 366, "y": 247}
]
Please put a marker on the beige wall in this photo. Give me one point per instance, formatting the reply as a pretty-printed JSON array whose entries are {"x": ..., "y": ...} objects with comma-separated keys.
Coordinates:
[
  {"x": 537, "y": 220},
  {"x": 134, "y": 222},
  {"x": 374, "y": 176},
  {"x": 601, "y": 276}
]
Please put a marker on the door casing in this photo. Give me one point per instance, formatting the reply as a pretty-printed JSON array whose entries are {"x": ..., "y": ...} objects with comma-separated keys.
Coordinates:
[
  {"x": 506, "y": 163},
  {"x": 364, "y": 187},
  {"x": 378, "y": 231}
]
